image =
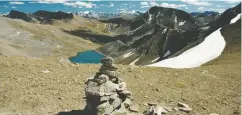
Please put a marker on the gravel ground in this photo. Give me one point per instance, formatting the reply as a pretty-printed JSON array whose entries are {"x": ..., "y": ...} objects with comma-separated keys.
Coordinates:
[{"x": 27, "y": 88}]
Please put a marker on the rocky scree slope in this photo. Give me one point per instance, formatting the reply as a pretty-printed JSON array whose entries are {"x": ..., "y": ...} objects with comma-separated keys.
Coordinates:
[{"x": 163, "y": 33}]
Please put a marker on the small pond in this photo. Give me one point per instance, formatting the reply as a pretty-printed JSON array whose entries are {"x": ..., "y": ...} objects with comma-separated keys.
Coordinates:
[{"x": 89, "y": 56}]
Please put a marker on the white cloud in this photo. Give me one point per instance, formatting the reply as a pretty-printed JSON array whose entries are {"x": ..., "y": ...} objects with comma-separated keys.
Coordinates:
[
  {"x": 49, "y": 1},
  {"x": 197, "y": 2},
  {"x": 80, "y": 4},
  {"x": 172, "y": 5},
  {"x": 111, "y": 5},
  {"x": 220, "y": 6},
  {"x": 154, "y": 4},
  {"x": 201, "y": 8},
  {"x": 231, "y": 1},
  {"x": 16, "y": 2},
  {"x": 151, "y": 4},
  {"x": 144, "y": 3},
  {"x": 144, "y": 6},
  {"x": 220, "y": 10}
]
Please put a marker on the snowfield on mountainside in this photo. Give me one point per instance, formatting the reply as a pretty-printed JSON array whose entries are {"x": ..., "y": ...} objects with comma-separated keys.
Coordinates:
[{"x": 209, "y": 49}]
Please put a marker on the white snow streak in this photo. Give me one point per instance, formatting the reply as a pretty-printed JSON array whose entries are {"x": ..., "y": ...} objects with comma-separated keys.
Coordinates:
[
  {"x": 235, "y": 19},
  {"x": 128, "y": 54},
  {"x": 154, "y": 60},
  {"x": 205, "y": 28},
  {"x": 164, "y": 31},
  {"x": 133, "y": 63},
  {"x": 209, "y": 49},
  {"x": 150, "y": 17},
  {"x": 167, "y": 53},
  {"x": 176, "y": 19},
  {"x": 182, "y": 23}
]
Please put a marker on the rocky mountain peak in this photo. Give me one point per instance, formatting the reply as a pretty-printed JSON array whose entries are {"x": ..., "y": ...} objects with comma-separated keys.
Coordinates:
[
  {"x": 53, "y": 15},
  {"x": 19, "y": 15},
  {"x": 40, "y": 16}
]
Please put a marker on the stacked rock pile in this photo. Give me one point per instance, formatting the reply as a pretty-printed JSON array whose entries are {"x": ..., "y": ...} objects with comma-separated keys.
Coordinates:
[{"x": 106, "y": 93}]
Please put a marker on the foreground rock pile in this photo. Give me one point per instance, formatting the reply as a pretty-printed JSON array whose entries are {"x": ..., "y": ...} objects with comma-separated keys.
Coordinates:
[{"x": 106, "y": 93}]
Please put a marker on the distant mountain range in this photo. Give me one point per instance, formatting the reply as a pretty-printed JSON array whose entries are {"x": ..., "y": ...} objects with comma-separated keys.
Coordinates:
[
  {"x": 44, "y": 17},
  {"x": 151, "y": 37}
]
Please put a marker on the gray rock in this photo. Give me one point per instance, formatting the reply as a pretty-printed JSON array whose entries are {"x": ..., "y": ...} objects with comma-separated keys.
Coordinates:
[
  {"x": 185, "y": 109},
  {"x": 183, "y": 105},
  {"x": 169, "y": 109},
  {"x": 134, "y": 108},
  {"x": 152, "y": 104},
  {"x": 159, "y": 110},
  {"x": 127, "y": 103}
]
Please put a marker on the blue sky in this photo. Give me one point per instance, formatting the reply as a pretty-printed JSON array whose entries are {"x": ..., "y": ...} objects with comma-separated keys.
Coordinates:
[{"x": 114, "y": 6}]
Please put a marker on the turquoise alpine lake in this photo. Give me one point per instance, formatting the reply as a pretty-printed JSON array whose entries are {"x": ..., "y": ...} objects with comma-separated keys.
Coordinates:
[{"x": 89, "y": 56}]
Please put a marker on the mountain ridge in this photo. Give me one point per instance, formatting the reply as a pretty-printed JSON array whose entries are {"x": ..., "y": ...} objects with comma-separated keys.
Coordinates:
[{"x": 156, "y": 36}]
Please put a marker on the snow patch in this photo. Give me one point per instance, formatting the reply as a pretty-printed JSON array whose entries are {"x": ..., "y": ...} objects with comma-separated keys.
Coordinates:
[
  {"x": 128, "y": 54},
  {"x": 209, "y": 49},
  {"x": 164, "y": 31},
  {"x": 133, "y": 63},
  {"x": 137, "y": 28},
  {"x": 167, "y": 53},
  {"x": 235, "y": 19},
  {"x": 182, "y": 23},
  {"x": 157, "y": 15},
  {"x": 176, "y": 19},
  {"x": 205, "y": 28},
  {"x": 154, "y": 60},
  {"x": 150, "y": 17}
]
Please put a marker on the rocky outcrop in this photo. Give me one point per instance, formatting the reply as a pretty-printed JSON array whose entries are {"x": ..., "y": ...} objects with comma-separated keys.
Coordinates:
[
  {"x": 47, "y": 15},
  {"x": 106, "y": 93},
  {"x": 19, "y": 15}
]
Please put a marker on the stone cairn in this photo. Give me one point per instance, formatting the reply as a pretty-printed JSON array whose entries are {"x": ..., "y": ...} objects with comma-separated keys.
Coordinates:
[{"x": 106, "y": 93}]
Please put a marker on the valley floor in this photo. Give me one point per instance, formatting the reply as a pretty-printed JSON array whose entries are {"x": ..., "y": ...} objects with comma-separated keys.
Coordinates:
[{"x": 27, "y": 88}]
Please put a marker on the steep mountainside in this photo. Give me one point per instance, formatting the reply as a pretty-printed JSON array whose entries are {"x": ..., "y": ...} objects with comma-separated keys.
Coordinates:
[
  {"x": 205, "y": 17},
  {"x": 162, "y": 33}
]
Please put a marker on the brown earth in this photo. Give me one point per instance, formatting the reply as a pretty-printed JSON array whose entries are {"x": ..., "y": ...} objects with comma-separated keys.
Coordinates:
[
  {"x": 26, "y": 90},
  {"x": 20, "y": 38}
]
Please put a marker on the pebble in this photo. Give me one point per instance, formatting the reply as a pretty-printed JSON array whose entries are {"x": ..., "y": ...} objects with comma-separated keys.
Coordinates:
[
  {"x": 183, "y": 105},
  {"x": 46, "y": 71},
  {"x": 185, "y": 109}
]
